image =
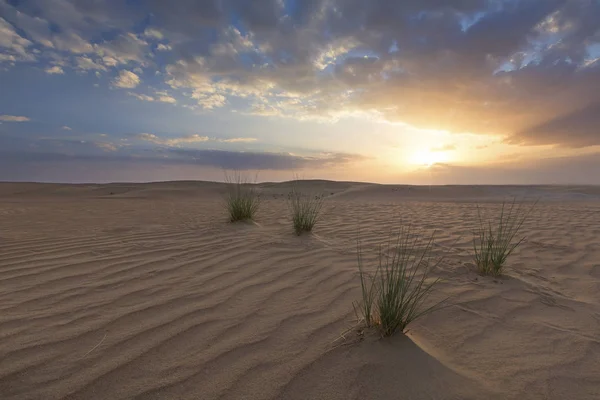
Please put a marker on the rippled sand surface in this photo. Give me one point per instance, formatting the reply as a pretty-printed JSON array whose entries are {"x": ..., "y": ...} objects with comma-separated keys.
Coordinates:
[{"x": 145, "y": 291}]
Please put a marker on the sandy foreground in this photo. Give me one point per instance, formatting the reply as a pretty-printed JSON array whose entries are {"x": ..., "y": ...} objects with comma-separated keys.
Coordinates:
[{"x": 145, "y": 291}]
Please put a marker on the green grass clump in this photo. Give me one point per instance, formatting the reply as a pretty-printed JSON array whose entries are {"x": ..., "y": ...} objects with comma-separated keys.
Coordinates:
[
  {"x": 396, "y": 293},
  {"x": 305, "y": 210},
  {"x": 495, "y": 239},
  {"x": 242, "y": 199}
]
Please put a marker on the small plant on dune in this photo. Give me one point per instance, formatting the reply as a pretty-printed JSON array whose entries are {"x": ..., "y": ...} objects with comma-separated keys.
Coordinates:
[
  {"x": 242, "y": 199},
  {"x": 397, "y": 292},
  {"x": 495, "y": 239},
  {"x": 305, "y": 209}
]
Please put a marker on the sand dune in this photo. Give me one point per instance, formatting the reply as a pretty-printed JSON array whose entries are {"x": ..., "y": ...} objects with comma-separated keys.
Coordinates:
[{"x": 144, "y": 291}]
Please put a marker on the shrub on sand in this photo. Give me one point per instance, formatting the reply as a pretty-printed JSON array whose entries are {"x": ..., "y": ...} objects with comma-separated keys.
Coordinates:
[
  {"x": 305, "y": 209},
  {"x": 242, "y": 199},
  {"x": 396, "y": 293},
  {"x": 495, "y": 239}
]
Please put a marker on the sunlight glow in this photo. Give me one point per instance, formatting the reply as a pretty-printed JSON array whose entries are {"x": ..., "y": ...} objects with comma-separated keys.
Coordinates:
[{"x": 428, "y": 158}]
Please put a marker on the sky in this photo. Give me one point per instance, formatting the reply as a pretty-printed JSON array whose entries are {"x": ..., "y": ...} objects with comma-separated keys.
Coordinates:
[{"x": 413, "y": 91}]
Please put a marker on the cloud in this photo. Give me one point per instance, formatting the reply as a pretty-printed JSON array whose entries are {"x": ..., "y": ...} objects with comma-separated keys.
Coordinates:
[
  {"x": 72, "y": 42},
  {"x": 238, "y": 140},
  {"x": 583, "y": 124},
  {"x": 572, "y": 170},
  {"x": 51, "y": 147},
  {"x": 29, "y": 157},
  {"x": 149, "y": 137},
  {"x": 264, "y": 160},
  {"x": 126, "y": 80},
  {"x": 153, "y": 33},
  {"x": 176, "y": 141},
  {"x": 106, "y": 146},
  {"x": 165, "y": 97},
  {"x": 123, "y": 49},
  {"x": 527, "y": 70},
  {"x": 476, "y": 66},
  {"x": 11, "y": 42},
  {"x": 162, "y": 97},
  {"x": 84, "y": 63},
  {"x": 111, "y": 166},
  {"x": 13, "y": 118},
  {"x": 142, "y": 97},
  {"x": 66, "y": 128},
  {"x": 54, "y": 70}
]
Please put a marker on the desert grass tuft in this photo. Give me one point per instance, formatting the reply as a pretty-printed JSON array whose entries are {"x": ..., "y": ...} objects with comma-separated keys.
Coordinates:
[
  {"x": 242, "y": 199},
  {"x": 396, "y": 294},
  {"x": 305, "y": 209},
  {"x": 496, "y": 238}
]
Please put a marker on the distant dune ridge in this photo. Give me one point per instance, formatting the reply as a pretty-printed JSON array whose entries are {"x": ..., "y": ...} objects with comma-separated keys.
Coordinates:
[{"x": 146, "y": 291}]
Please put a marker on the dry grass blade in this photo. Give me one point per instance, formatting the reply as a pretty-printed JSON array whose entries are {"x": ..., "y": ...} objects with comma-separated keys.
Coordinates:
[
  {"x": 368, "y": 290},
  {"x": 96, "y": 346}
]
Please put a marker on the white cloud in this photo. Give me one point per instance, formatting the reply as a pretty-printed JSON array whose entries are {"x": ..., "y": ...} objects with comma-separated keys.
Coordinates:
[
  {"x": 163, "y": 97},
  {"x": 13, "y": 118},
  {"x": 66, "y": 128},
  {"x": 163, "y": 47},
  {"x": 126, "y": 80},
  {"x": 109, "y": 61},
  {"x": 106, "y": 146},
  {"x": 149, "y": 137},
  {"x": 208, "y": 97},
  {"x": 238, "y": 140},
  {"x": 153, "y": 33},
  {"x": 174, "y": 142},
  {"x": 54, "y": 70},
  {"x": 86, "y": 64},
  {"x": 141, "y": 97},
  {"x": 9, "y": 38},
  {"x": 330, "y": 53},
  {"x": 13, "y": 43},
  {"x": 167, "y": 99}
]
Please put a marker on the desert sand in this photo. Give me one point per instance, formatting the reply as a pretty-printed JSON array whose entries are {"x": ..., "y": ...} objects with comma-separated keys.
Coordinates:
[{"x": 145, "y": 291}]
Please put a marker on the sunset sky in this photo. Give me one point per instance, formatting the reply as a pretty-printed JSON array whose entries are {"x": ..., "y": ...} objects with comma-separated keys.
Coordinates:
[{"x": 413, "y": 91}]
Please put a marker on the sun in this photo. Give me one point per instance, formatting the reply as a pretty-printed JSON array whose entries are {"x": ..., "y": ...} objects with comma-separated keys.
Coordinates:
[{"x": 427, "y": 157}]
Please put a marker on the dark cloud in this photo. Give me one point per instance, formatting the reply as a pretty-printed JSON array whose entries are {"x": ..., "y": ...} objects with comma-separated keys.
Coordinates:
[
  {"x": 502, "y": 32},
  {"x": 579, "y": 170},
  {"x": 583, "y": 126},
  {"x": 262, "y": 160},
  {"x": 188, "y": 16},
  {"x": 23, "y": 159},
  {"x": 258, "y": 15}
]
